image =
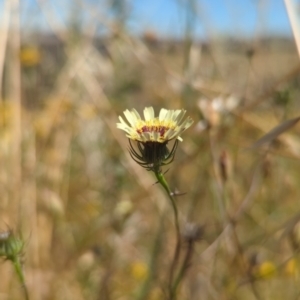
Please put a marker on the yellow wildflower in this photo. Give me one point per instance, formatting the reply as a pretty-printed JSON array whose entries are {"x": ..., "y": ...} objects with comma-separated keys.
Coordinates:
[
  {"x": 30, "y": 56},
  {"x": 139, "y": 270}
]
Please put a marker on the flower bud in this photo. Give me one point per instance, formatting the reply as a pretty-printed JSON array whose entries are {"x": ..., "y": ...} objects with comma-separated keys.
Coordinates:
[{"x": 11, "y": 246}]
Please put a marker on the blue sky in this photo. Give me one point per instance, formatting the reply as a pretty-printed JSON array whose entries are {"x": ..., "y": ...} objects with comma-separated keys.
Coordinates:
[
  {"x": 215, "y": 17},
  {"x": 208, "y": 18}
]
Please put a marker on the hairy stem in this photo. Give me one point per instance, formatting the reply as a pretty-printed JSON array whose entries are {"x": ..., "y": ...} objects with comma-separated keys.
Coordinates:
[{"x": 19, "y": 271}]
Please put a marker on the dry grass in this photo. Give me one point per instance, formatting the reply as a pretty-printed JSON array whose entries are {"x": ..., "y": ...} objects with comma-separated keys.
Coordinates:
[{"x": 96, "y": 226}]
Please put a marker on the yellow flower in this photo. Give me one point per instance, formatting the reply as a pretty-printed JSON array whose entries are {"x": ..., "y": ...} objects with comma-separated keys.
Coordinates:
[
  {"x": 266, "y": 270},
  {"x": 292, "y": 268},
  {"x": 167, "y": 126},
  {"x": 153, "y": 134},
  {"x": 30, "y": 56},
  {"x": 139, "y": 270}
]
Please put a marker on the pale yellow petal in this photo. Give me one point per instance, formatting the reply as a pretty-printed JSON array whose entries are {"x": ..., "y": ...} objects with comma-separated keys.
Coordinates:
[
  {"x": 130, "y": 117},
  {"x": 149, "y": 113},
  {"x": 162, "y": 114}
]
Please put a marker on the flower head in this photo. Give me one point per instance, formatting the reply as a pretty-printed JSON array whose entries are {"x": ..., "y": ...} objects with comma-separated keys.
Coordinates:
[
  {"x": 11, "y": 246},
  {"x": 152, "y": 135},
  {"x": 167, "y": 126}
]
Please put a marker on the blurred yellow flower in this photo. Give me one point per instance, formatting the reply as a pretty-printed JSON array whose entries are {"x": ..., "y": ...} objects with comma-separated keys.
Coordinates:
[
  {"x": 292, "y": 268},
  {"x": 139, "y": 270},
  {"x": 30, "y": 56},
  {"x": 265, "y": 270}
]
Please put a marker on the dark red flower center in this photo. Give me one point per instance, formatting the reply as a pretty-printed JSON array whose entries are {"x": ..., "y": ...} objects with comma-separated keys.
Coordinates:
[{"x": 160, "y": 129}]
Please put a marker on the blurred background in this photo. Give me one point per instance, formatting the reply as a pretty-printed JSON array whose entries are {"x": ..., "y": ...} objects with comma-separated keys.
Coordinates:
[{"x": 95, "y": 224}]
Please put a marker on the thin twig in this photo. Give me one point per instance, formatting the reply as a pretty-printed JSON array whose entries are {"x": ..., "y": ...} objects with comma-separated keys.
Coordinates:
[{"x": 185, "y": 265}]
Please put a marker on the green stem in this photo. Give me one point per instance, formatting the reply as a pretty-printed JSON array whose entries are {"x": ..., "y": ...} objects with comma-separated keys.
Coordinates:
[
  {"x": 161, "y": 179},
  {"x": 19, "y": 271}
]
